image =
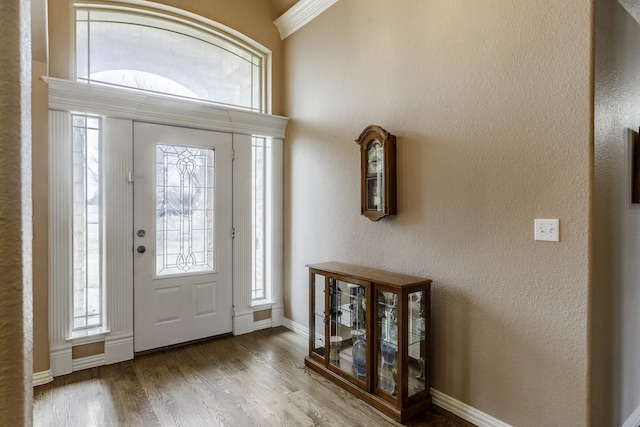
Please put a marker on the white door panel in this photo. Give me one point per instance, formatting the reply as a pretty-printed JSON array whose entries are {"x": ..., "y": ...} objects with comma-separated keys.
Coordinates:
[{"x": 182, "y": 235}]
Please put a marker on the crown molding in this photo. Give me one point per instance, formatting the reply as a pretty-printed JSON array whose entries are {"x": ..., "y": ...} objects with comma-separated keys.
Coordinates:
[
  {"x": 634, "y": 419},
  {"x": 632, "y": 7},
  {"x": 300, "y": 14}
]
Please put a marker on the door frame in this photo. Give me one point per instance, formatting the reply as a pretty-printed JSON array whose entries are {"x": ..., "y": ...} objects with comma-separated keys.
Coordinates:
[{"x": 129, "y": 106}]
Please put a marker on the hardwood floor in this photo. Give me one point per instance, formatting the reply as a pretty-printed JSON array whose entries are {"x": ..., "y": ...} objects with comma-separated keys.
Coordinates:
[{"x": 257, "y": 379}]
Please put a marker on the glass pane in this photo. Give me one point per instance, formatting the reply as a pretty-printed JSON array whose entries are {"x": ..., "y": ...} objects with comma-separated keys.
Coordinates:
[
  {"x": 163, "y": 55},
  {"x": 258, "y": 204},
  {"x": 375, "y": 179},
  {"x": 317, "y": 329},
  {"x": 82, "y": 50},
  {"x": 417, "y": 342},
  {"x": 185, "y": 210},
  {"x": 256, "y": 89},
  {"x": 87, "y": 226},
  {"x": 347, "y": 325},
  {"x": 387, "y": 352}
]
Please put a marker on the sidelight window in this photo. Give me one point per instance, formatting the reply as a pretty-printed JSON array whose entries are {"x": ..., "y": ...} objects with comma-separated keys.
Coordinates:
[
  {"x": 260, "y": 203},
  {"x": 87, "y": 223}
]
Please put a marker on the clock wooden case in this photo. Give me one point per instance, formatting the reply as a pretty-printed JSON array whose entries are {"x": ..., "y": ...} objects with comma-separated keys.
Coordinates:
[{"x": 377, "y": 173}]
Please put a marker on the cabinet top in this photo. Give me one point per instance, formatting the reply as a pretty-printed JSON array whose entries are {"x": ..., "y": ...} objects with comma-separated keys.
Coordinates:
[{"x": 369, "y": 274}]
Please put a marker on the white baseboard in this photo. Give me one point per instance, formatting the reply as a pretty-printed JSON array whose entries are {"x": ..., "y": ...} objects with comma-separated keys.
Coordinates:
[
  {"x": 88, "y": 362},
  {"x": 41, "y": 378},
  {"x": 262, "y": 324},
  {"x": 295, "y": 327},
  {"x": 440, "y": 399},
  {"x": 118, "y": 348},
  {"x": 243, "y": 323},
  {"x": 634, "y": 419},
  {"x": 60, "y": 361},
  {"x": 465, "y": 411},
  {"x": 277, "y": 316}
]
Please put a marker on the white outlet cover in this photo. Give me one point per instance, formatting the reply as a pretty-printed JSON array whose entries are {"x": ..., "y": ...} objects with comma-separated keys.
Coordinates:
[{"x": 547, "y": 230}]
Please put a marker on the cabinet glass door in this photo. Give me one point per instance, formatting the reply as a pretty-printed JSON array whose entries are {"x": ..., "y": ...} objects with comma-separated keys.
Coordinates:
[
  {"x": 318, "y": 323},
  {"x": 417, "y": 333},
  {"x": 348, "y": 328},
  {"x": 387, "y": 348}
]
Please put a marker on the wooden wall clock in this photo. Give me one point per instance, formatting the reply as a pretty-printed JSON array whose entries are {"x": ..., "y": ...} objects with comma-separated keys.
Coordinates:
[{"x": 377, "y": 173}]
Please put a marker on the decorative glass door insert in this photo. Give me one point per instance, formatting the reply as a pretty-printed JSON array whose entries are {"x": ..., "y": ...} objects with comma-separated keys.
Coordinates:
[{"x": 185, "y": 210}]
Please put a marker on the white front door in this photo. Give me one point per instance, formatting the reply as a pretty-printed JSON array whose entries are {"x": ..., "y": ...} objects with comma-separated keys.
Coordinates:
[{"x": 182, "y": 235}]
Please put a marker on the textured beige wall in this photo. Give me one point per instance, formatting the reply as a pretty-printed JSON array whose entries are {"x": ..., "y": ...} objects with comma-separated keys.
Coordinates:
[
  {"x": 492, "y": 107},
  {"x": 15, "y": 214},
  {"x": 86, "y": 350},
  {"x": 261, "y": 315},
  {"x": 281, "y": 6},
  {"x": 615, "y": 342}
]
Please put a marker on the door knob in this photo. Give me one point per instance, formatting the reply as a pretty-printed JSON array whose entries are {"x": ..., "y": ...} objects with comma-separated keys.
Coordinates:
[{"x": 141, "y": 249}]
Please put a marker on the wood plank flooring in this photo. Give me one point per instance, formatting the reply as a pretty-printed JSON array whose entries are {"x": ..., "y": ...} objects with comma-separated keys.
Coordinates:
[{"x": 257, "y": 379}]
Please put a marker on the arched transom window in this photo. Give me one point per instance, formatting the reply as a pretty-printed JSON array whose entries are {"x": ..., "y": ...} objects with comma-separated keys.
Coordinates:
[{"x": 162, "y": 53}]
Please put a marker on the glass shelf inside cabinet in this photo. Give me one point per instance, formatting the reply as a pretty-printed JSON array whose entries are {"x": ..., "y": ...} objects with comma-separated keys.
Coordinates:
[
  {"x": 387, "y": 351},
  {"x": 417, "y": 344},
  {"x": 347, "y": 327}
]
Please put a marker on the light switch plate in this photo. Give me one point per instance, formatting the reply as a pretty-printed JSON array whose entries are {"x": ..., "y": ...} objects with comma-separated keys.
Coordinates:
[{"x": 547, "y": 230}]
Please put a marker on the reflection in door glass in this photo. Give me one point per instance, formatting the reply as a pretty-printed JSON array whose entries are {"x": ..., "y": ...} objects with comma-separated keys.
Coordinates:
[{"x": 185, "y": 210}]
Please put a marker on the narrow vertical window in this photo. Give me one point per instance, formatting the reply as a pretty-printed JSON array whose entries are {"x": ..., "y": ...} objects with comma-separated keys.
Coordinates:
[
  {"x": 259, "y": 202},
  {"x": 87, "y": 224}
]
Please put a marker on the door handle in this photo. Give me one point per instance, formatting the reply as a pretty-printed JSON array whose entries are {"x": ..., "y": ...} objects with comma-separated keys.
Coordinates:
[{"x": 141, "y": 249}]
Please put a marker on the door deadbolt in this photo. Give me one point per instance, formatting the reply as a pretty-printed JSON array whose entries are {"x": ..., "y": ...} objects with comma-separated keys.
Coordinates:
[
  {"x": 141, "y": 249},
  {"x": 141, "y": 233}
]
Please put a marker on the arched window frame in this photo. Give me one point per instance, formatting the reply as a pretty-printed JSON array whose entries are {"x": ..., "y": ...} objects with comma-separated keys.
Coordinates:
[{"x": 196, "y": 23}]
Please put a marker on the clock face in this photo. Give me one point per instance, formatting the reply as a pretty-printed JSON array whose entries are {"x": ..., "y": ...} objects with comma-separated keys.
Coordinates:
[{"x": 374, "y": 158}]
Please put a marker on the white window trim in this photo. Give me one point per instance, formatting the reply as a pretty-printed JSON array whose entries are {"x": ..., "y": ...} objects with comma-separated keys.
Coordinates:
[
  {"x": 193, "y": 20},
  {"x": 122, "y": 108},
  {"x": 67, "y": 95}
]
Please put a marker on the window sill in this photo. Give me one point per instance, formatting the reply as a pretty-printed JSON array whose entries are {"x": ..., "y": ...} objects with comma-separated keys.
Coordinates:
[
  {"x": 88, "y": 336},
  {"x": 262, "y": 304}
]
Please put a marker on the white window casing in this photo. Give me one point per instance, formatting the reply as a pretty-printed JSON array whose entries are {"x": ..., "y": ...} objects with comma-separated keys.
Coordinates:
[
  {"x": 126, "y": 45},
  {"x": 120, "y": 108}
]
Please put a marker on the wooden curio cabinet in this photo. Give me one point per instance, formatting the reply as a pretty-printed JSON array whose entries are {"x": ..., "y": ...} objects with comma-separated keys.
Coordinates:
[{"x": 369, "y": 333}]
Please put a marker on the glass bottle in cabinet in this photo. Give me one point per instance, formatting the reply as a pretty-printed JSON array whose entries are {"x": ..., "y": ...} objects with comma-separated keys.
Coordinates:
[
  {"x": 338, "y": 330},
  {"x": 387, "y": 351},
  {"x": 418, "y": 332}
]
